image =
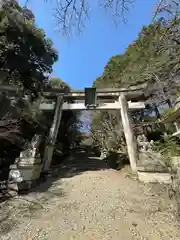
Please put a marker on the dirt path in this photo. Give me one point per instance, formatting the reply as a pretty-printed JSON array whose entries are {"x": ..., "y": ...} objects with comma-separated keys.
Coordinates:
[{"x": 102, "y": 204}]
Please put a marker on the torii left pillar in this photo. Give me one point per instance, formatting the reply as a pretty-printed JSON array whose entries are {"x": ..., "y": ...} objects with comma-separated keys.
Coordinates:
[{"x": 49, "y": 149}]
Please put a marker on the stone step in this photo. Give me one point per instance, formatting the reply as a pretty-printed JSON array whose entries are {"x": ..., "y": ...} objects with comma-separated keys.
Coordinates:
[
  {"x": 152, "y": 168},
  {"x": 154, "y": 177}
]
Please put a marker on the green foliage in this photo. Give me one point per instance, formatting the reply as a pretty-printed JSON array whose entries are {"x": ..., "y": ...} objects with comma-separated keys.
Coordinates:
[
  {"x": 26, "y": 55},
  {"x": 68, "y": 132},
  {"x": 56, "y": 82},
  {"x": 152, "y": 58},
  {"x": 169, "y": 147},
  {"x": 26, "y": 59}
]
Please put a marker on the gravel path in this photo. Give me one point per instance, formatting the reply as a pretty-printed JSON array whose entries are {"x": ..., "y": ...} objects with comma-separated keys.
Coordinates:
[{"x": 103, "y": 204}]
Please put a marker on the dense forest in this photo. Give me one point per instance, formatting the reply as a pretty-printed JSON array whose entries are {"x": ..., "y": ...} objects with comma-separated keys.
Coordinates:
[
  {"x": 153, "y": 58},
  {"x": 27, "y": 58}
]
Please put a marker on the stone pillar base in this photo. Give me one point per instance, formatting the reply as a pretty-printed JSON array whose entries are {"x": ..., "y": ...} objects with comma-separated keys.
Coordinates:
[{"x": 25, "y": 175}]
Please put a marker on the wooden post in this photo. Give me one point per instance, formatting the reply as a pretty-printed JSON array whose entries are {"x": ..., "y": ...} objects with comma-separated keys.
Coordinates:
[
  {"x": 129, "y": 135},
  {"x": 49, "y": 149}
]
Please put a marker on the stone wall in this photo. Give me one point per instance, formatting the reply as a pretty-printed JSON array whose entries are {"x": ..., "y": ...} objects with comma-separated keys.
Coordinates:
[
  {"x": 151, "y": 162},
  {"x": 151, "y": 168}
]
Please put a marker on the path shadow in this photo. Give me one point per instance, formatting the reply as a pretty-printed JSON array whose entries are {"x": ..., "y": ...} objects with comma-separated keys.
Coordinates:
[{"x": 80, "y": 160}]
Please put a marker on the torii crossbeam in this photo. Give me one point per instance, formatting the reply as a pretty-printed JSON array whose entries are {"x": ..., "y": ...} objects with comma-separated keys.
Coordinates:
[{"x": 107, "y": 99}]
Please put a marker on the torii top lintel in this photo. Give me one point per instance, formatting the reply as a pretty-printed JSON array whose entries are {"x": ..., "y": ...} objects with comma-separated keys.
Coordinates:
[{"x": 133, "y": 92}]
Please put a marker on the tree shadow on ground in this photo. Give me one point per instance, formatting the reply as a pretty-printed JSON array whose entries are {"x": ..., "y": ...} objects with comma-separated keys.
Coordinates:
[
  {"x": 80, "y": 160},
  {"x": 49, "y": 188},
  {"x": 28, "y": 203}
]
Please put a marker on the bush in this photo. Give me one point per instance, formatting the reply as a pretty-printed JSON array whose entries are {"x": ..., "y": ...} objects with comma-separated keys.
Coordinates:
[{"x": 169, "y": 147}]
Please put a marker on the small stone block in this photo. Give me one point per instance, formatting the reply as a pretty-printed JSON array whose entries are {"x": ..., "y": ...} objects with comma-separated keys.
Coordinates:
[{"x": 152, "y": 177}]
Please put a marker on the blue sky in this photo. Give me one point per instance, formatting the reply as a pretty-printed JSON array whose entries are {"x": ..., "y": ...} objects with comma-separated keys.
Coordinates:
[{"x": 82, "y": 58}]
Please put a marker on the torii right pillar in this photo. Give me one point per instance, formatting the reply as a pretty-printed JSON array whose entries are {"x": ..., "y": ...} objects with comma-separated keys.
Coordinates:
[{"x": 129, "y": 134}]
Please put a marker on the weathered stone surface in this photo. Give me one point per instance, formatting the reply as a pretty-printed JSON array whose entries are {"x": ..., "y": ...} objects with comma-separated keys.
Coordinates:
[
  {"x": 151, "y": 162},
  {"x": 25, "y": 185},
  {"x": 150, "y": 177},
  {"x": 152, "y": 169},
  {"x": 175, "y": 163},
  {"x": 25, "y": 173},
  {"x": 12, "y": 189},
  {"x": 28, "y": 166}
]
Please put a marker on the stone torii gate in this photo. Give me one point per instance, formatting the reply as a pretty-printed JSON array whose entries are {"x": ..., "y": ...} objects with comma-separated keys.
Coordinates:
[{"x": 91, "y": 99}]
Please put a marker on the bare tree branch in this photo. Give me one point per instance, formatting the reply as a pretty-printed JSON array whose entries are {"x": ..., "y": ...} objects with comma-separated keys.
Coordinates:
[
  {"x": 107, "y": 132},
  {"x": 118, "y": 8},
  {"x": 71, "y": 14},
  {"x": 171, "y": 7}
]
